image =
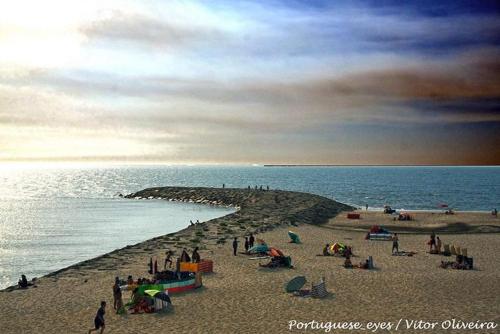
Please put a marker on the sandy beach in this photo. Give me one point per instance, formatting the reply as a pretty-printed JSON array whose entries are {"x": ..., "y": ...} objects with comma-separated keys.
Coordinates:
[{"x": 241, "y": 297}]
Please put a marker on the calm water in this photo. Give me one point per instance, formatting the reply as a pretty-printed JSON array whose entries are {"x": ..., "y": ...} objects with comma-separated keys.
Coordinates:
[{"x": 53, "y": 217}]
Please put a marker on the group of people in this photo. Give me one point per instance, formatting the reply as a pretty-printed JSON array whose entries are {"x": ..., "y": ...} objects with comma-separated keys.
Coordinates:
[
  {"x": 249, "y": 243},
  {"x": 258, "y": 188}
]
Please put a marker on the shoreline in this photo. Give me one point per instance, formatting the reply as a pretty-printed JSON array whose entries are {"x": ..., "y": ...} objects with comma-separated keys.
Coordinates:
[{"x": 192, "y": 195}]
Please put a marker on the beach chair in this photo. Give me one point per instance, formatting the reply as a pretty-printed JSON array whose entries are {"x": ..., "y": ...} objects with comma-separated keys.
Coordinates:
[
  {"x": 453, "y": 251},
  {"x": 446, "y": 251},
  {"x": 319, "y": 290}
]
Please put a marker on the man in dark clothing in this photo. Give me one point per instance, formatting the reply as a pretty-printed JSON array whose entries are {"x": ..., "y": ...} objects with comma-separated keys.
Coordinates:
[
  {"x": 196, "y": 257},
  {"x": 185, "y": 256},
  {"x": 247, "y": 245},
  {"x": 235, "y": 246},
  {"x": 251, "y": 241},
  {"x": 99, "y": 319}
]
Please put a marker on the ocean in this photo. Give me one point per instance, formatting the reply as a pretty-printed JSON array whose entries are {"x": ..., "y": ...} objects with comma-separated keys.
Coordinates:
[{"x": 54, "y": 216}]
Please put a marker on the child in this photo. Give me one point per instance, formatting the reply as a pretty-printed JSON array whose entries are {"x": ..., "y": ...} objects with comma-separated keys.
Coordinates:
[{"x": 99, "y": 319}]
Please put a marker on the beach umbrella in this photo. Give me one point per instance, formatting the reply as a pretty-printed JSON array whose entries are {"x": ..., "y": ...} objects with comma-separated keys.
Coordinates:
[
  {"x": 163, "y": 296},
  {"x": 263, "y": 248},
  {"x": 151, "y": 292},
  {"x": 295, "y": 284},
  {"x": 275, "y": 252}
]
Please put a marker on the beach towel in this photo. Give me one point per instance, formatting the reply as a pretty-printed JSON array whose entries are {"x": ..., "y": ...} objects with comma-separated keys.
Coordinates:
[{"x": 403, "y": 253}]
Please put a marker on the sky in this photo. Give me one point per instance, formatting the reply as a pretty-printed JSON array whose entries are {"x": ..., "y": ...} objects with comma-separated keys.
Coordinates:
[{"x": 250, "y": 82}]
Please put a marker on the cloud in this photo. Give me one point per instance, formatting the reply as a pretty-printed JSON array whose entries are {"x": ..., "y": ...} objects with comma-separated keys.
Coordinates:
[{"x": 147, "y": 30}]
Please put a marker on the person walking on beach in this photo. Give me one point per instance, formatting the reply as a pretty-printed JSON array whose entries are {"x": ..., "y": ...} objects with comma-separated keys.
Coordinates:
[
  {"x": 246, "y": 245},
  {"x": 395, "y": 243},
  {"x": 235, "y": 245},
  {"x": 251, "y": 241},
  {"x": 99, "y": 319}
]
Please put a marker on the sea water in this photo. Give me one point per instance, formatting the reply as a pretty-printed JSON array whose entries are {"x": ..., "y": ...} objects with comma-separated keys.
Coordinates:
[{"x": 55, "y": 216}]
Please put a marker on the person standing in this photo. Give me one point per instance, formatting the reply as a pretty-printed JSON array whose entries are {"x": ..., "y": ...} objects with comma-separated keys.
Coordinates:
[
  {"x": 247, "y": 245},
  {"x": 235, "y": 245},
  {"x": 438, "y": 245},
  {"x": 117, "y": 294},
  {"x": 195, "y": 257},
  {"x": 395, "y": 243},
  {"x": 251, "y": 241},
  {"x": 185, "y": 256},
  {"x": 432, "y": 242},
  {"x": 99, "y": 319},
  {"x": 168, "y": 259}
]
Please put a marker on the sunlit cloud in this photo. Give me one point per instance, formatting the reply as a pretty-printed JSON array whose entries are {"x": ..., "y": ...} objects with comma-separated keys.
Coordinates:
[{"x": 247, "y": 81}]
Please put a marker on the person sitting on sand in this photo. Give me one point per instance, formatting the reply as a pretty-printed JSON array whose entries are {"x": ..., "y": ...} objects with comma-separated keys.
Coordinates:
[
  {"x": 196, "y": 257},
  {"x": 325, "y": 250},
  {"x": 185, "y": 256},
  {"x": 99, "y": 319},
  {"x": 23, "y": 282},
  {"x": 365, "y": 265},
  {"x": 395, "y": 243},
  {"x": 168, "y": 260}
]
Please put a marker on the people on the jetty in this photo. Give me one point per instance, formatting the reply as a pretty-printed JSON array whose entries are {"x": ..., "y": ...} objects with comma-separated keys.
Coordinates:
[
  {"x": 251, "y": 240},
  {"x": 168, "y": 259},
  {"x": 195, "y": 257},
  {"x": 185, "y": 256},
  {"x": 395, "y": 243},
  {"x": 191, "y": 223},
  {"x": 99, "y": 319},
  {"x": 235, "y": 245},
  {"x": 325, "y": 250},
  {"x": 267, "y": 188},
  {"x": 197, "y": 222},
  {"x": 23, "y": 282},
  {"x": 150, "y": 265},
  {"x": 247, "y": 245},
  {"x": 117, "y": 295},
  {"x": 260, "y": 188},
  {"x": 438, "y": 245},
  {"x": 223, "y": 185},
  {"x": 366, "y": 206}
]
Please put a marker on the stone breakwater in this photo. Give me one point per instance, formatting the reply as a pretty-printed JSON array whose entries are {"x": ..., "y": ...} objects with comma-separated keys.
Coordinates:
[{"x": 264, "y": 208}]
